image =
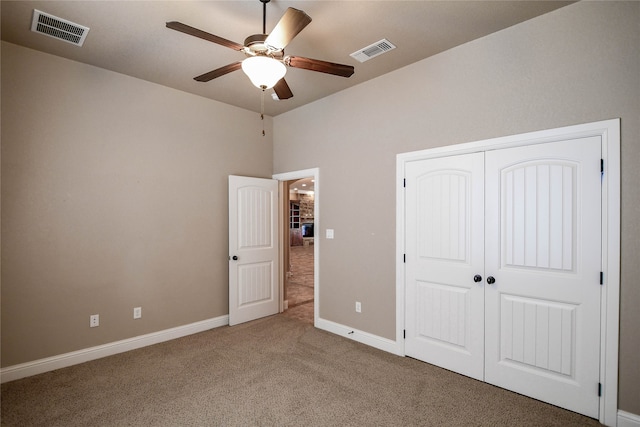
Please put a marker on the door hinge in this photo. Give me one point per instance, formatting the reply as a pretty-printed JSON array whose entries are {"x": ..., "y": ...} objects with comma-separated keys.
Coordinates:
[
  {"x": 404, "y": 182},
  {"x": 404, "y": 258},
  {"x": 602, "y": 165},
  {"x": 404, "y": 334},
  {"x": 602, "y": 277},
  {"x": 599, "y": 389}
]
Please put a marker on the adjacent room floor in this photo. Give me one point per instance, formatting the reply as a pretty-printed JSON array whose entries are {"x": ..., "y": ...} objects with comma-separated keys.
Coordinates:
[{"x": 300, "y": 290}]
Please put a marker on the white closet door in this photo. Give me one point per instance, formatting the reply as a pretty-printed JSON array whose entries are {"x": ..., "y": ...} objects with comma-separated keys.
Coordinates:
[
  {"x": 444, "y": 251},
  {"x": 543, "y": 247}
]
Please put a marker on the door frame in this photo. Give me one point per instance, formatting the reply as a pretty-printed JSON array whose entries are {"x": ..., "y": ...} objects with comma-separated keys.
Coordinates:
[
  {"x": 609, "y": 131},
  {"x": 288, "y": 176}
]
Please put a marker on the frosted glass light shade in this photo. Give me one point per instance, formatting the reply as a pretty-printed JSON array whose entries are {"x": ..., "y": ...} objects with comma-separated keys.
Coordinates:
[{"x": 264, "y": 72}]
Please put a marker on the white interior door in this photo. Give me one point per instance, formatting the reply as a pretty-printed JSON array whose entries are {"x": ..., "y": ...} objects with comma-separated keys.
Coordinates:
[
  {"x": 543, "y": 247},
  {"x": 253, "y": 248},
  {"x": 444, "y": 311}
]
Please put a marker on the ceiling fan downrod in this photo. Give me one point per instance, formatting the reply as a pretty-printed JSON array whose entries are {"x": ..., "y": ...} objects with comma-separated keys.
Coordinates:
[{"x": 264, "y": 15}]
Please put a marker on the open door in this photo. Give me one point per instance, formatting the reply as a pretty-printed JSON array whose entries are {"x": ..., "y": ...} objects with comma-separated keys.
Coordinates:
[{"x": 253, "y": 248}]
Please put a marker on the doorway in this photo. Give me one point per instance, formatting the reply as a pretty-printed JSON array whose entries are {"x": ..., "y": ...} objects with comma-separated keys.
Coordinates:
[
  {"x": 298, "y": 278},
  {"x": 300, "y": 244}
]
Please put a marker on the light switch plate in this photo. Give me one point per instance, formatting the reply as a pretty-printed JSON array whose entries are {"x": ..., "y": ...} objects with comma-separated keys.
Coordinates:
[
  {"x": 329, "y": 233},
  {"x": 94, "y": 320}
]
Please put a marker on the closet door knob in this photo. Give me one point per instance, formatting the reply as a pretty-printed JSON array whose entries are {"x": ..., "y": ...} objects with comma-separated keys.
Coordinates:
[
  {"x": 477, "y": 278},
  {"x": 235, "y": 257},
  {"x": 491, "y": 280}
]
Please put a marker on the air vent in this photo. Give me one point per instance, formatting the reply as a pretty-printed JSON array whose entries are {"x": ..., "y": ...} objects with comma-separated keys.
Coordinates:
[
  {"x": 373, "y": 50},
  {"x": 58, "y": 28}
]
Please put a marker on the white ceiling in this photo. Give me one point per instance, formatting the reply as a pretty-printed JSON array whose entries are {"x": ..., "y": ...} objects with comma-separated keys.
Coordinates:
[{"x": 130, "y": 37}]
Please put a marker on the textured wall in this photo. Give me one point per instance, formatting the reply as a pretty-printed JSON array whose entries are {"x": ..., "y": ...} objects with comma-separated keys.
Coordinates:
[
  {"x": 575, "y": 65},
  {"x": 114, "y": 195}
]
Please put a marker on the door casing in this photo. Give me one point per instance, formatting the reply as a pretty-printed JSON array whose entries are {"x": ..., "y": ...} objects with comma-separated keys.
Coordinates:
[{"x": 609, "y": 132}]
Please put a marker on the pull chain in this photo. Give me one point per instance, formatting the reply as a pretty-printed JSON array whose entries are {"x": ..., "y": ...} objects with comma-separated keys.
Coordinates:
[{"x": 262, "y": 109}]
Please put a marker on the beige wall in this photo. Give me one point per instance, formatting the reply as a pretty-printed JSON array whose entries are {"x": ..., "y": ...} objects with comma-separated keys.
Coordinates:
[
  {"x": 578, "y": 64},
  {"x": 114, "y": 189},
  {"x": 114, "y": 195}
]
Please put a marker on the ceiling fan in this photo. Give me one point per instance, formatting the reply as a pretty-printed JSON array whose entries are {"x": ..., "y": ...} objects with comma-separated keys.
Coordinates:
[{"x": 265, "y": 63}]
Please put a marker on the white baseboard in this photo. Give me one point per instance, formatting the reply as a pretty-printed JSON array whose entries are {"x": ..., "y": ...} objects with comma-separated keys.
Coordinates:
[
  {"x": 627, "y": 419},
  {"x": 360, "y": 336},
  {"x": 40, "y": 366}
]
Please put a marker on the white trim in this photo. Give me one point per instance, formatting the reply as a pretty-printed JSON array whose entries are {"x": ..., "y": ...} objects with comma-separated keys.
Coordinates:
[
  {"x": 610, "y": 318},
  {"x": 627, "y": 419},
  {"x": 371, "y": 340},
  {"x": 40, "y": 366},
  {"x": 315, "y": 173},
  {"x": 602, "y": 128},
  {"x": 400, "y": 252},
  {"x": 609, "y": 131}
]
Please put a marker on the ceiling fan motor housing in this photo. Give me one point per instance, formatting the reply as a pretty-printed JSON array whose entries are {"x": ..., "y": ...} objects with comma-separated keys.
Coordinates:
[
  {"x": 255, "y": 45},
  {"x": 256, "y": 41}
]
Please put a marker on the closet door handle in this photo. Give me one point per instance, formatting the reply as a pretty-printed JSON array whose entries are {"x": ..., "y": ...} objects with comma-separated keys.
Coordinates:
[
  {"x": 491, "y": 280},
  {"x": 477, "y": 278},
  {"x": 235, "y": 257}
]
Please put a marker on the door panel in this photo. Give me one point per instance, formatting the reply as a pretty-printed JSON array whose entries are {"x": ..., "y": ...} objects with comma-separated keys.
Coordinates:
[
  {"x": 253, "y": 240},
  {"x": 538, "y": 216},
  {"x": 537, "y": 333},
  {"x": 445, "y": 309},
  {"x": 254, "y": 283},
  {"x": 543, "y": 243},
  {"x": 442, "y": 314}
]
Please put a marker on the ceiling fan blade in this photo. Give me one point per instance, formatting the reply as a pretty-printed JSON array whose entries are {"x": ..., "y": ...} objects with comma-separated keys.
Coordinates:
[
  {"x": 292, "y": 22},
  {"x": 219, "y": 72},
  {"x": 321, "y": 66},
  {"x": 184, "y": 28},
  {"x": 282, "y": 89}
]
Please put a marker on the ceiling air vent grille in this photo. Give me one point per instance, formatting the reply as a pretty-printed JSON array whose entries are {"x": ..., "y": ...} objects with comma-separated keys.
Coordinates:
[
  {"x": 58, "y": 28},
  {"x": 373, "y": 50}
]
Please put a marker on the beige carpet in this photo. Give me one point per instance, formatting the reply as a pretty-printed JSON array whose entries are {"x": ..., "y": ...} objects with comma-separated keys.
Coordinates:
[{"x": 271, "y": 372}]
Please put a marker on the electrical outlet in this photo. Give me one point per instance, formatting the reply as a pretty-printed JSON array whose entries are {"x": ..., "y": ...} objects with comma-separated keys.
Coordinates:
[
  {"x": 358, "y": 307},
  {"x": 137, "y": 312},
  {"x": 94, "y": 320}
]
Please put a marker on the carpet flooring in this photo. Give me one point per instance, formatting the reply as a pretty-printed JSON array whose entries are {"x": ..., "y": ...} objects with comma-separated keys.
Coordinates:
[{"x": 275, "y": 371}]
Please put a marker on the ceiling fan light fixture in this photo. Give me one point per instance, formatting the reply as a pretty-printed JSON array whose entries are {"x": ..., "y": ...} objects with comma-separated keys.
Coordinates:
[{"x": 263, "y": 71}]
